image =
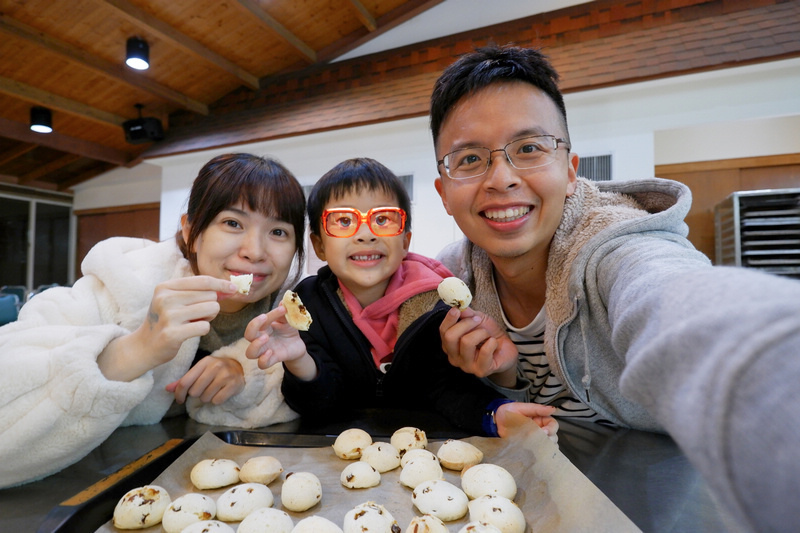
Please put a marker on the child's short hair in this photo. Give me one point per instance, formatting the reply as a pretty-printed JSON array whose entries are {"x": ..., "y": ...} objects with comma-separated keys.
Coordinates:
[{"x": 355, "y": 175}]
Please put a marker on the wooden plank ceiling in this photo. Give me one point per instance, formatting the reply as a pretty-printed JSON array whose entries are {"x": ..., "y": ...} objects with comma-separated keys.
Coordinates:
[{"x": 68, "y": 56}]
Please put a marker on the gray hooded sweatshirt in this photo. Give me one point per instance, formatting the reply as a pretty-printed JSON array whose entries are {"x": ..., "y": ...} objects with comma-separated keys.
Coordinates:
[{"x": 646, "y": 332}]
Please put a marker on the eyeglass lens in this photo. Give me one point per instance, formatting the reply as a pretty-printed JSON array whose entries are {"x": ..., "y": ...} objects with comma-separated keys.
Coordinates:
[
  {"x": 526, "y": 153},
  {"x": 382, "y": 223}
]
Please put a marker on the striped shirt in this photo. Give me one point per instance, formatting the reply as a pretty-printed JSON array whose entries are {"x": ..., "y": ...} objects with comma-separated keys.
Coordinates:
[{"x": 546, "y": 388}]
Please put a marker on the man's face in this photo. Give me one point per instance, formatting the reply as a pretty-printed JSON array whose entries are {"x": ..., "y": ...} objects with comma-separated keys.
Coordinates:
[{"x": 508, "y": 212}]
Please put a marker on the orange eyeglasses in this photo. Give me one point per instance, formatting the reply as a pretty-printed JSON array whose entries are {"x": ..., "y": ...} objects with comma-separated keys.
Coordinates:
[{"x": 382, "y": 221}]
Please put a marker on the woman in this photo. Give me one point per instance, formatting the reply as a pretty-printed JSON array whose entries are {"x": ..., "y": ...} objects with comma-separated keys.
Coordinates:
[{"x": 155, "y": 324}]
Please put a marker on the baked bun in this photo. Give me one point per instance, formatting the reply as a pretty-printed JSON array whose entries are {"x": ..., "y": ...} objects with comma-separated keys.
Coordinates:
[
  {"x": 214, "y": 473},
  {"x": 351, "y": 442},
  {"x": 296, "y": 313},
  {"x": 498, "y": 511},
  {"x": 484, "y": 479},
  {"x": 209, "y": 526},
  {"x": 426, "y": 524},
  {"x": 242, "y": 283},
  {"x": 316, "y": 524},
  {"x": 266, "y": 520},
  {"x": 382, "y": 456},
  {"x": 455, "y": 293},
  {"x": 261, "y": 469},
  {"x": 239, "y": 501},
  {"x": 187, "y": 510},
  {"x": 360, "y": 475},
  {"x": 417, "y": 452},
  {"x": 301, "y": 491},
  {"x": 457, "y": 454},
  {"x": 441, "y": 499},
  {"x": 408, "y": 438},
  {"x": 479, "y": 527},
  {"x": 422, "y": 468},
  {"x": 369, "y": 517},
  {"x": 141, "y": 507}
]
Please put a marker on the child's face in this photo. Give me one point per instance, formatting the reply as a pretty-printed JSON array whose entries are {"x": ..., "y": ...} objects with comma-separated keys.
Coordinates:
[{"x": 364, "y": 263}]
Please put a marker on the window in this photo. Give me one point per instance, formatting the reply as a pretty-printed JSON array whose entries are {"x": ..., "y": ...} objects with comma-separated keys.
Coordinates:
[{"x": 36, "y": 239}]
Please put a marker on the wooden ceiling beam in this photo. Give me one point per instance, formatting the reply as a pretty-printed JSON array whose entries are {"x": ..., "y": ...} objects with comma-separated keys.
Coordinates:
[
  {"x": 252, "y": 7},
  {"x": 364, "y": 16},
  {"x": 150, "y": 23},
  {"x": 44, "y": 170},
  {"x": 402, "y": 13},
  {"x": 99, "y": 65},
  {"x": 39, "y": 97},
  {"x": 15, "y": 152},
  {"x": 58, "y": 141}
]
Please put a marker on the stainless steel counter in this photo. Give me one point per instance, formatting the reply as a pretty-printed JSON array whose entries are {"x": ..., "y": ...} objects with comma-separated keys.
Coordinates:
[{"x": 644, "y": 474}]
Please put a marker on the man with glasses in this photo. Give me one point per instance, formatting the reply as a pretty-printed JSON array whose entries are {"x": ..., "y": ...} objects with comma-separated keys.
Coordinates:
[
  {"x": 374, "y": 340},
  {"x": 589, "y": 297}
]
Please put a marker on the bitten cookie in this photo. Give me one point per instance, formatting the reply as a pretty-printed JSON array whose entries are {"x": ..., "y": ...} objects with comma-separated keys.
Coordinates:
[
  {"x": 187, "y": 510},
  {"x": 296, "y": 313},
  {"x": 239, "y": 501},
  {"x": 141, "y": 507},
  {"x": 242, "y": 283},
  {"x": 214, "y": 473}
]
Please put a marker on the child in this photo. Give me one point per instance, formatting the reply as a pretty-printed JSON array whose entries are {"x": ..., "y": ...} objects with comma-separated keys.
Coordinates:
[{"x": 375, "y": 337}]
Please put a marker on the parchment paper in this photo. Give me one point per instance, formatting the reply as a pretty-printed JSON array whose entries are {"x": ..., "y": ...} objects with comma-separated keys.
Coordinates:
[{"x": 553, "y": 495}]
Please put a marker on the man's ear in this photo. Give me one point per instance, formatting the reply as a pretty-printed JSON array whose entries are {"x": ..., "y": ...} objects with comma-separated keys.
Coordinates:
[
  {"x": 440, "y": 189},
  {"x": 572, "y": 173},
  {"x": 319, "y": 247},
  {"x": 185, "y": 227},
  {"x": 406, "y": 242}
]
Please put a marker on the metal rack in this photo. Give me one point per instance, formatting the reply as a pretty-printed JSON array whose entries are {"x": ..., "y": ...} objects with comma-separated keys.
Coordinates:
[{"x": 760, "y": 229}]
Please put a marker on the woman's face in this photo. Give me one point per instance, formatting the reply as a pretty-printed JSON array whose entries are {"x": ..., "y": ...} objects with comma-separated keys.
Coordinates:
[{"x": 242, "y": 241}]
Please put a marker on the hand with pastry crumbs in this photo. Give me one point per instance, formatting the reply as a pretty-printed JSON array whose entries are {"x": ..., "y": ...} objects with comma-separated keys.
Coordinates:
[
  {"x": 476, "y": 344},
  {"x": 273, "y": 340},
  {"x": 540, "y": 414}
]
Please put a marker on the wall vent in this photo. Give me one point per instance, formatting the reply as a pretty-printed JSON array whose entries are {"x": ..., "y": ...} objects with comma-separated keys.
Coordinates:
[{"x": 595, "y": 168}]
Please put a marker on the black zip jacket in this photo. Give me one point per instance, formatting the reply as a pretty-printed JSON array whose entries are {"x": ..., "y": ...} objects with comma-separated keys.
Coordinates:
[{"x": 420, "y": 377}]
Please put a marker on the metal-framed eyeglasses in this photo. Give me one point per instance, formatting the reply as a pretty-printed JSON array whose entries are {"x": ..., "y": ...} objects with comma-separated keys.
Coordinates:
[
  {"x": 528, "y": 152},
  {"x": 382, "y": 221}
]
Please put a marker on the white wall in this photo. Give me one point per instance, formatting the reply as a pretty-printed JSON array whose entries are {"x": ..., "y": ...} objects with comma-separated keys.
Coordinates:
[{"x": 742, "y": 112}]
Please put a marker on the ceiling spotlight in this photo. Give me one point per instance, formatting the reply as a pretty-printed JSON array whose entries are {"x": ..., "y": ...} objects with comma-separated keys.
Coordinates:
[
  {"x": 137, "y": 54},
  {"x": 41, "y": 120}
]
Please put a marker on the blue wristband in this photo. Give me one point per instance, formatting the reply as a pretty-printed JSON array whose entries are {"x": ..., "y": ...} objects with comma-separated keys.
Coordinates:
[{"x": 489, "y": 425}]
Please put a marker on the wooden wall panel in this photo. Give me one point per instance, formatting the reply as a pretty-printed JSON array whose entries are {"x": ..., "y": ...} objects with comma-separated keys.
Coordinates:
[
  {"x": 711, "y": 182},
  {"x": 127, "y": 221}
]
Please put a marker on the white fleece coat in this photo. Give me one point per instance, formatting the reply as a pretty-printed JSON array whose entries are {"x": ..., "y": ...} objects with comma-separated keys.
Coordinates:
[{"x": 56, "y": 405}]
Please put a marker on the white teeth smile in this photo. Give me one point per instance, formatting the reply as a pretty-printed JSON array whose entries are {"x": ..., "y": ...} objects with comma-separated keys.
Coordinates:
[
  {"x": 374, "y": 257},
  {"x": 506, "y": 214}
]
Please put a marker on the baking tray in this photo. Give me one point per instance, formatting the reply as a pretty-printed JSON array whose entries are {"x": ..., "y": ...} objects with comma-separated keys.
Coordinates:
[{"x": 94, "y": 506}]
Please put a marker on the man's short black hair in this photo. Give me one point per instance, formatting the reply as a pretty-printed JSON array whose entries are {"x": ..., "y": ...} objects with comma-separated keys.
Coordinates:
[
  {"x": 355, "y": 175},
  {"x": 488, "y": 65}
]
